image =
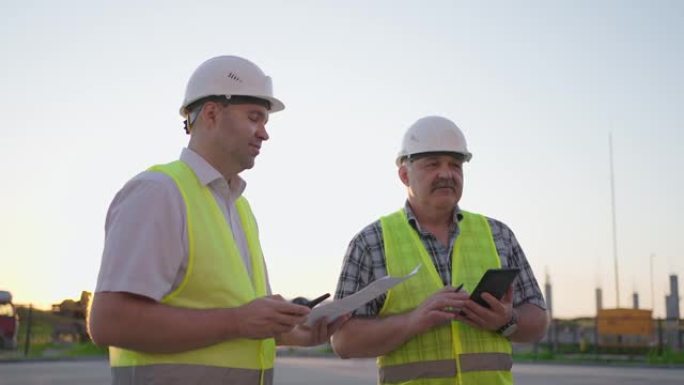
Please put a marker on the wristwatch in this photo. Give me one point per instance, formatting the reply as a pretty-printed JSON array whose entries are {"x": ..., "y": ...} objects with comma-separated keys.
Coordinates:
[{"x": 509, "y": 327}]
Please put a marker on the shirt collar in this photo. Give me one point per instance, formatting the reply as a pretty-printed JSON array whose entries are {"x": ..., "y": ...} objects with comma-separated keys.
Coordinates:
[
  {"x": 414, "y": 222},
  {"x": 207, "y": 174}
]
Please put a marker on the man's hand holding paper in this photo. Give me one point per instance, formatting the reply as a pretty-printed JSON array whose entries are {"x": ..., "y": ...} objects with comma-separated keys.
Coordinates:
[{"x": 332, "y": 310}]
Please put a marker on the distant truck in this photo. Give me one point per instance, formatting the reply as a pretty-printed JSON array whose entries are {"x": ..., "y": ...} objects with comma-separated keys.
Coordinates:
[{"x": 9, "y": 321}]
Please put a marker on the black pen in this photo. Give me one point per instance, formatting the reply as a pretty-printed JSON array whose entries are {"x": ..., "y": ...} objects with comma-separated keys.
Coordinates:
[{"x": 458, "y": 288}]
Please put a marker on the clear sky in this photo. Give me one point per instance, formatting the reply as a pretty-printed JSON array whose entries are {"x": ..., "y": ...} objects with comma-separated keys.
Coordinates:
[{"x": 90, "y": 92}]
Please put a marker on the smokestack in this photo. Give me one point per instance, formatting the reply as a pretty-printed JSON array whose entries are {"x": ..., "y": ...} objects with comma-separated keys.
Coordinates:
[
  {"x": 599, "y": 299},
  {"x": 672, "y": 300},
  {"x": 635, "y": 300},
  {"x": 547, "y": 294}
]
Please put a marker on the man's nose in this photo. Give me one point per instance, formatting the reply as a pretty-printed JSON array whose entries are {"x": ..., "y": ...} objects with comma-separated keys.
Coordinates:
[
  {"x": 262, "y": 133},
  {"x": 444, "y": 171}
]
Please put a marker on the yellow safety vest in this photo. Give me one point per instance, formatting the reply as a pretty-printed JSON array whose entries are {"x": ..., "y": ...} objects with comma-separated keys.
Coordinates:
[
  {"x": 454, "y": 353},
  {"x": 216, "y": 277}
]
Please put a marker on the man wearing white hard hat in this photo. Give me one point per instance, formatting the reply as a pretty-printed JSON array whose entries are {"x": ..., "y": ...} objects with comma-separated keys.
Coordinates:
[
  {"x": 427, "y": 330},
  {"x": 182, "y": 295}
]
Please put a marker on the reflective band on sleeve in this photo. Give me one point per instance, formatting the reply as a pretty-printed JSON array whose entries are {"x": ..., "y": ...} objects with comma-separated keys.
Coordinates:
[{"x": 471, "y": 362}]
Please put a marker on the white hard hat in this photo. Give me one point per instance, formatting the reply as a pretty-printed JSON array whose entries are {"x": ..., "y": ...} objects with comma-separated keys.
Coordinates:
[
  {"x": 433, "y": 134},
  {"x": 229, "y": 76}
]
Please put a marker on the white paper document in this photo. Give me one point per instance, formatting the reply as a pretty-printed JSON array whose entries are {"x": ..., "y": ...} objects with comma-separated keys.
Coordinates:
[{"x": 334, "y": 309}]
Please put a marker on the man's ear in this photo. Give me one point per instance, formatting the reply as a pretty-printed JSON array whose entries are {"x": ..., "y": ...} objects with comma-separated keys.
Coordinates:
[
  {"x": 209, "y": 113},
  {"x": 403, "y": 174}
]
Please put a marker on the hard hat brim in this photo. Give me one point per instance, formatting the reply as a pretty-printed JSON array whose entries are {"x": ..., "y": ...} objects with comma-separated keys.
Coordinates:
[
  {"x": 276, "y": 104},
  {"x": 465, "y": 156}
]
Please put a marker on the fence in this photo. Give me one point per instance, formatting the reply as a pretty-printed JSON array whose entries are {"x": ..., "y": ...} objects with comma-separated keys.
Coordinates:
[
  {"x": 40, "y": 329},
  {"x": 584, "y": 335}
]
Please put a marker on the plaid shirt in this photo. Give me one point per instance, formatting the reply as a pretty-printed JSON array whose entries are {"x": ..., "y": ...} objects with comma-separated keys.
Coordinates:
[{"x": 365, "y": 261}]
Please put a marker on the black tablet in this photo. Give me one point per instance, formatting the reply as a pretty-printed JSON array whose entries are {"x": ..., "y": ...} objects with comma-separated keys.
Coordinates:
[{"x": 495, "y": 282}]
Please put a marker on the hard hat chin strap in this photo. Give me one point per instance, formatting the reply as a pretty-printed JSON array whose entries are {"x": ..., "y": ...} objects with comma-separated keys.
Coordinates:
[{"x": 186, "y": 126}]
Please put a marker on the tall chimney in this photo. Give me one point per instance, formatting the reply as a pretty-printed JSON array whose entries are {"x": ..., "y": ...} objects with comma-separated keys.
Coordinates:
[
  {"x": 548, "y": 295},
  {"x": 672, "y": 300}
]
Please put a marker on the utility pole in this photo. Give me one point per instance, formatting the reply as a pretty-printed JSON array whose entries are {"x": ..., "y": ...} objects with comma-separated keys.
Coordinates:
[
  {"x": 27, "y": 342},
  {"x": 652, "y": 291},
  {"x": 612, "y": 201}
]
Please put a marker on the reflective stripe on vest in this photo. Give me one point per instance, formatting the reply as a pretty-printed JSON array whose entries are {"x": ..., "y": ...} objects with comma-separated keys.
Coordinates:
[
  {"x": 464, "y": 347},
  {"x": 216, "y": 277},
  {"x": 445, "y": 368},
  {"x": 179, "y": 374}
]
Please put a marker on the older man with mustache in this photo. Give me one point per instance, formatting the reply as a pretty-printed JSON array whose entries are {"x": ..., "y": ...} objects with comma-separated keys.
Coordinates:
[{"x": 425, "y": 331}]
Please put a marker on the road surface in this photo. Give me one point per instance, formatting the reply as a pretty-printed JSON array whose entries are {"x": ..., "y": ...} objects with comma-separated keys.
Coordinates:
[{"x": 330, "y": 371}]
